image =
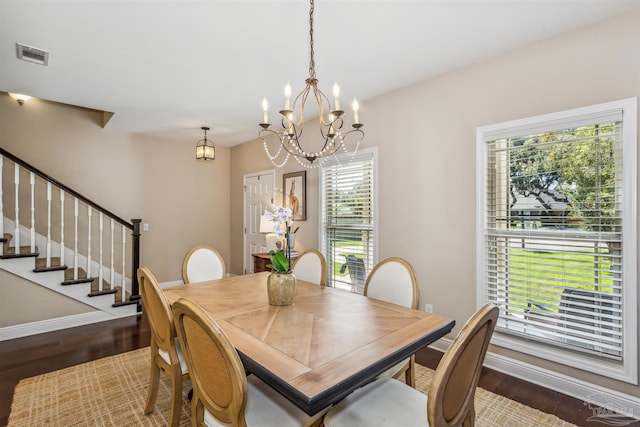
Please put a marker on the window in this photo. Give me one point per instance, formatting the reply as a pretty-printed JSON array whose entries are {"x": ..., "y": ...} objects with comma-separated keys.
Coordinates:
[
  {"x": 348, "y": 218},
  {"x": 557, "y": 235}
]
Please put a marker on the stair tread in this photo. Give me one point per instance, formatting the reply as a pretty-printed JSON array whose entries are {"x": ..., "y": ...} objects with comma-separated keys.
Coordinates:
[
  {"x": 103, "y": 292},
  {"x": 52, "y": 268},
  {"x": 122, "y": 303},
  {"x": 78, "y": 281},
  {"x": 18, "y": 255}
]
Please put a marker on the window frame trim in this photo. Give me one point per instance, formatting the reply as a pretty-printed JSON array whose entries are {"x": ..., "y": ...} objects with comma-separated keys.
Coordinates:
[{"x": 627, "y": 370}]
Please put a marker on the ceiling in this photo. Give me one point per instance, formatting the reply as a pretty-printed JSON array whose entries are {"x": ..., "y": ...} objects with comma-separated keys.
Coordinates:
[{"x": 166, "y": 68}]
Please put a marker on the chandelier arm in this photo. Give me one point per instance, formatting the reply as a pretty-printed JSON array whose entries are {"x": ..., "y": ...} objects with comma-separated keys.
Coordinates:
[
  {"x": 337, "y": 124},
  {"x": 321, "y": 100},
  {"x": 302, "y": 96},
  {"x": 349, "y": 132},
  {"x": 283, "y": 123},
  {"x": 289, "y": 124}
]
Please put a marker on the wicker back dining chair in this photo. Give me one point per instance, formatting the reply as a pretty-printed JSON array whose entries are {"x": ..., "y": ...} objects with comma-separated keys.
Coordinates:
[
  {"x": 166, "y": 354},
  {"x": 311, "y": 266},
  {"x": 394, "y": 280},
  {"x": 202, "y": 263},
  {"x": 222, "y": 393},
  {"x": 450, "y": 399}
]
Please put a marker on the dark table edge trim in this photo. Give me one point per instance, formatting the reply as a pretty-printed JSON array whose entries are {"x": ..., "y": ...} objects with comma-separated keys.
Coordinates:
[{"x": 335, "y": 393}]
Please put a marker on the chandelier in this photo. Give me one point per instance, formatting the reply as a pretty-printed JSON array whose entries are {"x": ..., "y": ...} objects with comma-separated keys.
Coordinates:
[{"x": 282, "y": 143}]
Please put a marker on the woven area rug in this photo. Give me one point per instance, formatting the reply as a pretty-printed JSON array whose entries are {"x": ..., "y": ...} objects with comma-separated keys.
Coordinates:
[{"x": 112, "y": 392}]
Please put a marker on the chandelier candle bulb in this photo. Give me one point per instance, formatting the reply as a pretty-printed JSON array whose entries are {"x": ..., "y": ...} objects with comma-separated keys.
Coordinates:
[
  {"x": 287, "y": 97},
  {"x": 336, "y": 96},
  {"x": 356, "y": 107},
  {"x": 265, "y": 109}
]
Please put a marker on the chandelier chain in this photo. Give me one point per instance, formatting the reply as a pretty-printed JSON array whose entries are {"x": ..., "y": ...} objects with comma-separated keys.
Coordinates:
[{"x": 312, "y": 62}]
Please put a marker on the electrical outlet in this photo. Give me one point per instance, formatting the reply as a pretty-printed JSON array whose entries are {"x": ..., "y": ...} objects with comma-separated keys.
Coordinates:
[
  {"x": 428, "y": 308},
  {"x": 145, "y": 227}
]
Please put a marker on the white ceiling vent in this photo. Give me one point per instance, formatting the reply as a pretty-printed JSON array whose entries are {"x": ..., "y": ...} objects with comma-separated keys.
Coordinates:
[{"x": 32, "y": 54}]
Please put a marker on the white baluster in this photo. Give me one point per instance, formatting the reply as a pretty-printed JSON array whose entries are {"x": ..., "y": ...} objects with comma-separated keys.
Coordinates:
[
  {"x": 124, "y": 259},
  {"x": 75, "y": 239},
  {"x": 16, "y": 232},
  {"x": 100, "y": 275},
  {"x": 1, "y": 205},
  {"x": 89, "y": 214},
  {"x": 32, "y": 180},
  {"x": 113, "y": 270},
  {"x": 62, "y": 251},
  {"x": 48, "y": 224}
]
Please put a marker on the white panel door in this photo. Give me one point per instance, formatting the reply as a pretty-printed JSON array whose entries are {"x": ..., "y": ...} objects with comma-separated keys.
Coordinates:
[{"x": 258, "y": 196}]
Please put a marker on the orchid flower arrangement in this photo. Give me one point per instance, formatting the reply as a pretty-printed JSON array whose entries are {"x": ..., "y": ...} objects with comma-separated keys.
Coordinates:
[{"x": 282, "y": 216}]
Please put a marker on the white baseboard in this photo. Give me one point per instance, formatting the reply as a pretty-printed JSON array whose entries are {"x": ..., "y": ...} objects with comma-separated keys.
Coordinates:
[
  {"x": 50, "y": 325},
  {"x": 591, "y": 394},
  {"x": 33, "y": 328}
]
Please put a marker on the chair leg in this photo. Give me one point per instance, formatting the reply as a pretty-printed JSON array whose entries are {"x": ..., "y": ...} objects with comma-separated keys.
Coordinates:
[
  {"x": 197, "y": 412},
  {"x": 410, "y": 373},
  {"x": 470, "y": 418},
  {"x": 176, "y": 398},
  {"x": 154, "y": 381}
]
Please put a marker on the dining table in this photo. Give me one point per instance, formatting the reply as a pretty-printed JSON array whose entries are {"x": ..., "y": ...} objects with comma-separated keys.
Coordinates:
[{"x": 320, "y": 348}]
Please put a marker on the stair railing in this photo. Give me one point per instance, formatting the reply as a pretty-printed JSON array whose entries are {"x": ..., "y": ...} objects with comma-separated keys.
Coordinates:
[{"x": 118, "y": 250}]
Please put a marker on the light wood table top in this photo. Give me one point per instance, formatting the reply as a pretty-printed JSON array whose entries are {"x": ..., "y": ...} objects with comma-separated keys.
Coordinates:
[{"x": 322, "y": 347}]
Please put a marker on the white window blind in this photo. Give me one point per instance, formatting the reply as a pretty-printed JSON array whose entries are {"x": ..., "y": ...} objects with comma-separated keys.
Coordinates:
[
  {"x": 348, "y": 219},
  {"x": 558, "y": 246}
]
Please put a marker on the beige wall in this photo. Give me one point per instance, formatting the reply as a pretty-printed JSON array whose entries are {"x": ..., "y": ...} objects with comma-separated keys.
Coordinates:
[
  {"x": 425, "y": 136},
  {"x": 35, "y": 302},
  {"x": 185, "y": 202}
]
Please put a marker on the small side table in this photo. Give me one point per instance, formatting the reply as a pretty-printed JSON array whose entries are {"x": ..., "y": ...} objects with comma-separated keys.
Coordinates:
[{"x": 260, "y": 261}]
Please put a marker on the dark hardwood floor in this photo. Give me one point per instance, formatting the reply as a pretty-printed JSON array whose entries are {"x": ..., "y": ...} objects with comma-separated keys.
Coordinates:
[
  {"x": 38, "y": 354},
  {"x": 34, "y": 355}
]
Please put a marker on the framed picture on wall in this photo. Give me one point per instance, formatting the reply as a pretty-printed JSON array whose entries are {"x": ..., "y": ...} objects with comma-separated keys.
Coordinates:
[{"x": 294, "y": 186}]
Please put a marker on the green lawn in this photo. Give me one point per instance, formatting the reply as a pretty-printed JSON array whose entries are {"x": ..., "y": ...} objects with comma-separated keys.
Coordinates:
[{"x": 541, "y": 277}]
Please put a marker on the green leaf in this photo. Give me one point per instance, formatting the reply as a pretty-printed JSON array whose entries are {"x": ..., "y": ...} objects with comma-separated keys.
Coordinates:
[{"x": 279, "y": 262}]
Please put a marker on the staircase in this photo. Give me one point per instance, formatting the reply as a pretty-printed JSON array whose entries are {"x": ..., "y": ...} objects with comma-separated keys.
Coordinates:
[{"x": 93, "y": 267}]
